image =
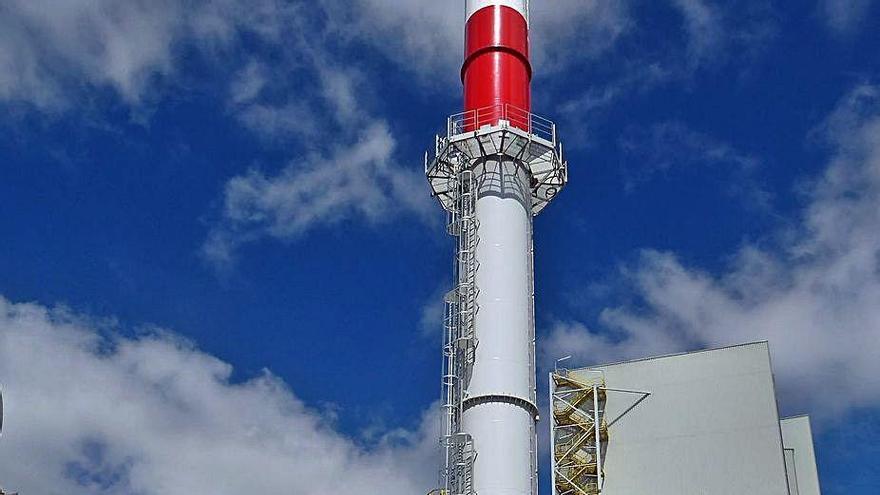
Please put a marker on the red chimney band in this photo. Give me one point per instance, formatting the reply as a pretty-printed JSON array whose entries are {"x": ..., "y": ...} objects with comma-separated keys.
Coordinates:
[{"x": 496, "y": 70}]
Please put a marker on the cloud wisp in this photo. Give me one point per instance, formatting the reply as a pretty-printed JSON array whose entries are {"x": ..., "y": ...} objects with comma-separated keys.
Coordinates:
[
  {"x": 345, "y": 168},
  {"x": 356, "y": 181},
  {"x": 672, "y": 146},
  {"x": 47, "y": 46},
  {"x": 296, "y": 81},
  {"x": 57, "y": 52},
  {"x": 704, "y": 28},
  {"x": 92, "y": 412},
  {"x": 426, "y": 37},
  {"x": 290, "y": 84},
  {"x": 53, "y": 52},
  {"x": 815, "y": 296},
  {"x": 713, "y": 36},
  {"x": 844, "y": 17}
]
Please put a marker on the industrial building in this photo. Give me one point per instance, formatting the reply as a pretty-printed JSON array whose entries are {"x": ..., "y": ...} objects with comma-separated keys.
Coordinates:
[{"x": 702, "y": 423}]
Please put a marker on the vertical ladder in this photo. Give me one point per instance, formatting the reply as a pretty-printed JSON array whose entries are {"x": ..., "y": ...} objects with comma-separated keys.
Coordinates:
[{"x": 459, "y": 349}]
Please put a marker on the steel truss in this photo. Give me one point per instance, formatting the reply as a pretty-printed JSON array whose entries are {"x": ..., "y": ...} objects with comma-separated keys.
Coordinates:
[
  {"x": 499, "y": 130},
  {"x": 579, "y": 430}
]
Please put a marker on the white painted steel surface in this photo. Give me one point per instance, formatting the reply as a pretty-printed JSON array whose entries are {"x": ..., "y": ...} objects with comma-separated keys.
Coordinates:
[
  {"x": 521, "y": 6},
  {"x": 798, "y": 436},
  {"x": 710, "y": 426},
  {"x": 502, "y": 432},
  {"x": 503, "y": 321},
  {"x": 502, "y": 439}
]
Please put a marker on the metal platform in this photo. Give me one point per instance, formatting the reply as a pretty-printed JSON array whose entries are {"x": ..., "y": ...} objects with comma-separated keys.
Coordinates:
[{"x": 498, "y": 132}]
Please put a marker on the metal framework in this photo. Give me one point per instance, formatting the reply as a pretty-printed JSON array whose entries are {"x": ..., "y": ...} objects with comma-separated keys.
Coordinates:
[
  {"x": 498, "y": 130},
  {"x": 577, "y": 405},
  {"x": 578, "y": 433},
  {"x": 460, "y": 341}
]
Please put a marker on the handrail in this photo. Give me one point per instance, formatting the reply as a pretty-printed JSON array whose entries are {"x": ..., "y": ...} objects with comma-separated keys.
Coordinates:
[{"x": 472, "y": 120}]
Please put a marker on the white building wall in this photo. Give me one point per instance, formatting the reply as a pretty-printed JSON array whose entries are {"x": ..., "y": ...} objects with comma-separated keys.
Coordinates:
[
  {"x": 797, "y": 437},
  {"x": 710, "y": 426},
  {"x": 791, "y": 472}
]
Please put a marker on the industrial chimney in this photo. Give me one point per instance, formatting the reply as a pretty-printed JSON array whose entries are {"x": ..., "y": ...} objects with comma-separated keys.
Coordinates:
[{"x": 497, "y": 166}]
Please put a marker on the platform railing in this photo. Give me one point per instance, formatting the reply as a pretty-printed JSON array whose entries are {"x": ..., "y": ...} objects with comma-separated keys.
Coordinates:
[{"x": 473, "y": 120}]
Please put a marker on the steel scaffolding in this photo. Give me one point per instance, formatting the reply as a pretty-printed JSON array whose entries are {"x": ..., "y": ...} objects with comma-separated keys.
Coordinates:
[
  {"x": 578, "y": 432},
  {"x": 579, "y": 429}
]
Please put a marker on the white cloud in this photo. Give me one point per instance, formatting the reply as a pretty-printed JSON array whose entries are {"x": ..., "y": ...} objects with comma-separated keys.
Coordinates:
[
  {"x": 586, "y": 109},
  {"x": 721, "y": 32},
  {"x": 249, "y": 83},
  {"x": 308, "y": 87},
  {"x": 357, "y": 181},
  {"x": 307, "y": 92},
  {"x": 53, "y": 50},
  {"x": 424, "y": 36},
  {"x": 427, "y": 36},
  {"x": 704, "y": 27},
  {"x": 345, "y": 168},
  {"x": 816, "y": 297},
  {"x": 48, "y": 44},
  {"x": 291, "y": 119},
  {"x": 431, "y": 320},
  {"x": 571, "y": 31},
  {"x": 306, "y": 84},
  {"x": 844, "y": 16},
  {"x": 91, "y": 412},
  {"x": 50, "y": 50}
]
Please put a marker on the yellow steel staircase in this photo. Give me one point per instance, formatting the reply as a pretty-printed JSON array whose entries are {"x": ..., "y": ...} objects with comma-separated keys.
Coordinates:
[{"x": 578, "y": 407}]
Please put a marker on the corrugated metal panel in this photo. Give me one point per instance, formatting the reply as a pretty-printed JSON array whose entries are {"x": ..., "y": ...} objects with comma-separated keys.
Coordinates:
[
  {"x": 710, "y": 425},
  {"x": 798, "y": 436}
]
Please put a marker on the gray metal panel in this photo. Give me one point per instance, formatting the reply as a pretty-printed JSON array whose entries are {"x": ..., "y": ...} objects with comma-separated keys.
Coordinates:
[
  {"x": 791, "y": 472},
  {"x": 710, "y": 426},
  {"x": 797, "y": 435}
]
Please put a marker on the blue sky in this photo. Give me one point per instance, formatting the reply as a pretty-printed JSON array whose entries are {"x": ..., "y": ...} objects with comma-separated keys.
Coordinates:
[{"x": 216, "y": 235}]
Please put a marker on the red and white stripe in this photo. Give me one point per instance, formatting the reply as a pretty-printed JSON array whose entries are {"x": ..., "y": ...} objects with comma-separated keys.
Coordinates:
[
  {"x": 497, "y": 74},
  {"x": 521, "y": 6},
  {"x": 496, "y": 68}
]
